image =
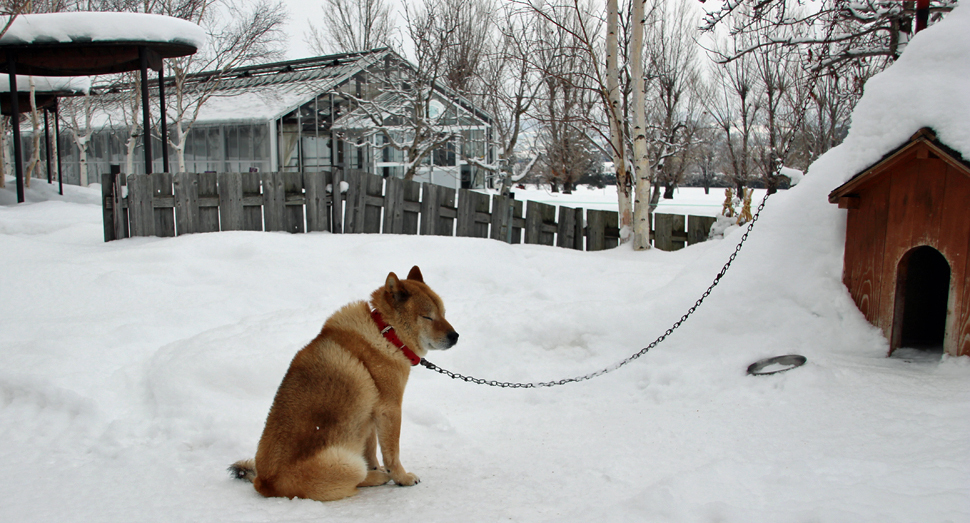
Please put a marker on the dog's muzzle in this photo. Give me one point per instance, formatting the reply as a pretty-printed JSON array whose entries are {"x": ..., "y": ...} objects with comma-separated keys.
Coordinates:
[{"x": 452, "y": 339}]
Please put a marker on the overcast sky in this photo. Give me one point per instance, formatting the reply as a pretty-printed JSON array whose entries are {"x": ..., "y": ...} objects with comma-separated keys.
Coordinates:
[{"x": 302, "y": 13}]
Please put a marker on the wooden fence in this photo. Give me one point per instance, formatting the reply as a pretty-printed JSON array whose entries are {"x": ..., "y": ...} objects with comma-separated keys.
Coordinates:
[{"x": 164, "y": 204}]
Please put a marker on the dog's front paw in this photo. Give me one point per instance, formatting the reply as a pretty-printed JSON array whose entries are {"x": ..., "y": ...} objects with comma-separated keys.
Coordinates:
[{"x": 407, "y": 479}]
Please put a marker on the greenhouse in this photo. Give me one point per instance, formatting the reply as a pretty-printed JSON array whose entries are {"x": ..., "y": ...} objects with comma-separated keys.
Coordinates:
[{"x": 308, "y": 115}]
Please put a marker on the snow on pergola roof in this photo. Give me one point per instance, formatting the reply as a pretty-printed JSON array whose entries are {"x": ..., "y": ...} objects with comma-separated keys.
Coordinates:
[
  {"x": 84, "y": 27},
  {"x": 929, "y": 86},
  {"x": 79, "y": 44},
  {"x": 48, "y": 84}
]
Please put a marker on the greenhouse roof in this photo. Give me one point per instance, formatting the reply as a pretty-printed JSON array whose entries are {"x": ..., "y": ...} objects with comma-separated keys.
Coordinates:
[{"x": 267, "y": 92}]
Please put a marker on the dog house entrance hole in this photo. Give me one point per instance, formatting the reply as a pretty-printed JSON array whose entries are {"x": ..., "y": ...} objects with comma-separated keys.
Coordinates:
[{"x": 922, "y": 292}]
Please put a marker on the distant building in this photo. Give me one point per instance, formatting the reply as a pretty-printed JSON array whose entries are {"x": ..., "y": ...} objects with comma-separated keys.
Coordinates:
[{"x": 299, "y": 115}]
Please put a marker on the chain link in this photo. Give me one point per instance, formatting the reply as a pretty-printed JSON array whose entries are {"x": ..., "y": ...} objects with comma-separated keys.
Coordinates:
[{"x": 615, "y": 366}]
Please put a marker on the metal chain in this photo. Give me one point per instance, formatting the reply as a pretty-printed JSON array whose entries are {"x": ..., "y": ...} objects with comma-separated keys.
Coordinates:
[{"x": 615, "y": 366}]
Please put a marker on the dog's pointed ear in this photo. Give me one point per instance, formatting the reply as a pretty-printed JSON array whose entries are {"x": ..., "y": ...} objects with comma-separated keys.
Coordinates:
[
  {"x": 415, "y": 274},
  {"x": 394, "y": 288}
]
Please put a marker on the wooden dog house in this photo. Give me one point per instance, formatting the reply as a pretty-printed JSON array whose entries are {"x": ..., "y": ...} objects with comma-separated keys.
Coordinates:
[{"x": 907, "y": 243}]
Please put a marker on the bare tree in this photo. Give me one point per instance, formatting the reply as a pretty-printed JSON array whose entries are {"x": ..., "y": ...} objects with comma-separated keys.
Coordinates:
[
  {"x": 784, "y": 102},
  {"x": 353, "y": 25},
  {"x": 251, "y": 34},
  {"x": 510, "y": 85},
  {"x": 734, "y": 105},
  {"x": 836, "y": 31},
  {"x": 460, "y": 31},
  {"x": 831, "y": 99},
  {"x": 609, "y": 81},
  {"x": 79, "y": 113},
  {"x": 415, "y": 113},
  {"x": 568, "y": 152},
  {"x": 673, "y": 78}
]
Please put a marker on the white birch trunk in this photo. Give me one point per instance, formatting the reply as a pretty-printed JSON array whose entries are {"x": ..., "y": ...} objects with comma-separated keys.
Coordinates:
[
  {"x": 3, "y": 152},
  {"x": 179, "y": 147},
  {"x": 82, "y": 147},
  {"x": 133, "y": 129},
  {"x": 642, "y": 177},
  {"x": 130, "y": 153},
  {"x": 615, "y": 115},
  {"x": 33, "y": 167}
]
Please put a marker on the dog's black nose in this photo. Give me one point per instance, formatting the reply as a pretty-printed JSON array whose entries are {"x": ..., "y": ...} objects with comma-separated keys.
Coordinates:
[{"x": 452, "y": 337}]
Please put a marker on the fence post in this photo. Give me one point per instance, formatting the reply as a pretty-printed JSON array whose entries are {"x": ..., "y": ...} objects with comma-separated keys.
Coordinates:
[
  {"x": 114, "y": 214},
  {"x": 208, "y": 203},
  {"x": 473, "y": 216},
  {"x": 539, "y": 217},
  {"x": 230, "y": 201},
  {"x": 187, "y": 203},
  {"x": 595, "y": 230},
  {"x": 699, "y": 228},
  {"x": 501, "y": 218},
  {"x": 274, "y": 201},
  {"x": 668, "y": 226},
  {"x": 140, "y": 210},
  {"x": 317, "y": 202},
  {"x": 430, "y": 208},
  {"x": 337, "y": 198},
  {"x": 164, "y": 215},
  {"x": 293, "y": 201},
  {"x": 570, "y": 229},
  {"x": 362, "y": 215}
]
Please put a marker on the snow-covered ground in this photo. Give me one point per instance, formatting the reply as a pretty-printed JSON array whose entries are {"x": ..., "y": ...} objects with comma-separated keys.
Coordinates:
[
  {"x": 687, "y": 200},
  {"x": 133, "y": 372}
]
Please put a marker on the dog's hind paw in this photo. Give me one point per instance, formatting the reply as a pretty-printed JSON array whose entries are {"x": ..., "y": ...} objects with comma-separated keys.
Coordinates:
[{"x": 375, "y": 478}]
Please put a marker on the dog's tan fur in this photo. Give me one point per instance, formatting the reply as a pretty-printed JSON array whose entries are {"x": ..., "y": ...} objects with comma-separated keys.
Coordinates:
[{"x": 342, "y": 396}]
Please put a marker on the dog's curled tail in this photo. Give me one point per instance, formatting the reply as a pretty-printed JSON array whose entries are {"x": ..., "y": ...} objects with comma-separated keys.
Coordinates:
[{"x": 244, "y": 469}]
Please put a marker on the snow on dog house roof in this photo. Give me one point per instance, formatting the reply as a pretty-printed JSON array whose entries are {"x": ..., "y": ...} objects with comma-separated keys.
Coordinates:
[{"x": 79, "y": 44}]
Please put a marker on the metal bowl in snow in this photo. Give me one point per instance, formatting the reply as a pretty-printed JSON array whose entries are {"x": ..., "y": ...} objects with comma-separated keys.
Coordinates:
[{"x": 775, "y": 365}]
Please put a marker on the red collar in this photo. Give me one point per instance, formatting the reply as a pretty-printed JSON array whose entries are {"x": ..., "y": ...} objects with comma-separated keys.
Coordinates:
[{"x": 391, "y": 336}]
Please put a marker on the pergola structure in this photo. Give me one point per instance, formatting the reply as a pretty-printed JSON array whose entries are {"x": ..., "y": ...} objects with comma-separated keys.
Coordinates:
[
  {"x": 46, "y": 93},
  {"x": 87, "y": 44}
]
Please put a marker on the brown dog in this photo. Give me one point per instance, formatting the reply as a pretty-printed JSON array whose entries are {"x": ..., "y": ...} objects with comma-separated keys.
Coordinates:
[{"x": 342, "y": 396}]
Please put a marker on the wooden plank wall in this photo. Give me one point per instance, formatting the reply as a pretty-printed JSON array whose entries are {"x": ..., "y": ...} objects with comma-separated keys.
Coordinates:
[{"x": 164, "y": 204}]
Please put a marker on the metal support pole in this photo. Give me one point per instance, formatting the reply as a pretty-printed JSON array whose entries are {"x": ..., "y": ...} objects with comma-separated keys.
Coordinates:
[
  {"x": 18, "y": 159},
  {"x": 164, "y": 122},
  {"x": 146, "y": 113},
  {"x": 47, "y": 142},
  {"x": 333, "y": 141},
  {"x": 299, "y": 139},
  {"x": 57, "y": 148}
]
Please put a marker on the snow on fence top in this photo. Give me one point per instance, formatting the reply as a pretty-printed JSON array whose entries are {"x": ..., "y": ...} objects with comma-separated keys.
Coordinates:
[
  {"x": 48, "y": 84},
  {"x": 84, "y": 27}
]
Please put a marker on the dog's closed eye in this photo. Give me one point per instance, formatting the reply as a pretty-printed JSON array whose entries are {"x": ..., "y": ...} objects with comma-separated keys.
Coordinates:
[{"x": 429, "y": 318}]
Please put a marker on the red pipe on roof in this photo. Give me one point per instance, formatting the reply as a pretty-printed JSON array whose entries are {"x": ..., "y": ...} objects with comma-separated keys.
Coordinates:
[{"x": 922, "y": 14}]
